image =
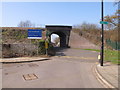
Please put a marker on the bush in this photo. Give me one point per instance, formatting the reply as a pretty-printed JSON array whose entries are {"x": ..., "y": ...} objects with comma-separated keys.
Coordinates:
[
  {"x": 51, "y": 50},
  {"x": 41, "y": 47}
]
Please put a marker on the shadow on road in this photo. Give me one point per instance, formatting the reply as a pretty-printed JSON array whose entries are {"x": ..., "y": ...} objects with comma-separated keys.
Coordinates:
[{"x": 60, "y": 51}]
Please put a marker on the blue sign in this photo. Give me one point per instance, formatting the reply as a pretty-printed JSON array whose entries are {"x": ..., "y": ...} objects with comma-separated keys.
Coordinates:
[{"x": 34, "y": 34}]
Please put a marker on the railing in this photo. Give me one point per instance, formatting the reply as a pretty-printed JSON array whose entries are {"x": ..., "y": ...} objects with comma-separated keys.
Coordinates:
[{"x": 114, "y": 45}]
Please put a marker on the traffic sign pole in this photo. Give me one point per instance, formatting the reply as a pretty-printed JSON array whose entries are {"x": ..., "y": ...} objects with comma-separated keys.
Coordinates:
[
  {"x": 46, "y": 42},
  {"x": 46, "y": 47},
  {"x": 102, "y": 36}
]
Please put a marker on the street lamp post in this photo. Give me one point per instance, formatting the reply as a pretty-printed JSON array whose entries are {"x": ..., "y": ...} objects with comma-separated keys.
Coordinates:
[{"x": 102, "y": 36}]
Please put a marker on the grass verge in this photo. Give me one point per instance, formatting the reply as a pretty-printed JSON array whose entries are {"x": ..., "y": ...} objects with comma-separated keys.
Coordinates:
[{"x": 109, "y": 55}]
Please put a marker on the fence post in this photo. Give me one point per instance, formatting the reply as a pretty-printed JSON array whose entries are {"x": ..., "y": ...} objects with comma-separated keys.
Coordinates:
[
  {"x": 37, "y": 47},
  {"x": 116, "y": 46},
  {"x": 24, "y": 49}
]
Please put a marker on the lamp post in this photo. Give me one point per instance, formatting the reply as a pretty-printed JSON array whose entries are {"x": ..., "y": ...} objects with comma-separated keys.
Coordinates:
[{"x": 102, "y": 36}]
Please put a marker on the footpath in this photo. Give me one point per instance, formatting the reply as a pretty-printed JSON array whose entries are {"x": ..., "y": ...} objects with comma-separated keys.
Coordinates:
[
  {"x": 108, "y": 75},
  {"x": 22, "y": 59}
]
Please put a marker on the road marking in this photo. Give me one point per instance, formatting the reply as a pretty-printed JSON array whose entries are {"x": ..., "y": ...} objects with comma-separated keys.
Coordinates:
[{"x": 101, "y": 79}]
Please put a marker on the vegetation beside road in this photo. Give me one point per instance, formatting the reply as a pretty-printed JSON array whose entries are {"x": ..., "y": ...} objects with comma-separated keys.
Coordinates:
[
  {"x": 92, "y": 32},
  {"x": 93, "y": 50},
  {"x": 112, "y": 56},
  {"x": 109, "y": 55}
]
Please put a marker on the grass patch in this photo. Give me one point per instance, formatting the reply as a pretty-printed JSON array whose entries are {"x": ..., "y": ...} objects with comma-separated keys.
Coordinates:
[
  {"x": 109, "y": 55},
  {"x": 112, "y": 56},
  {"x": 93, "y": 50}
]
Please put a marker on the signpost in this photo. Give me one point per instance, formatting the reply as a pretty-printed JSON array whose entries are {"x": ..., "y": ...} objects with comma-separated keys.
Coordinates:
[
  {"x": 46, "y": 41},
  {"x": 35, "y": 34},
  {"x": 102, "y": 34},
  {"x": 46, "y": 47},
  {"x": 46, "y": 44}
]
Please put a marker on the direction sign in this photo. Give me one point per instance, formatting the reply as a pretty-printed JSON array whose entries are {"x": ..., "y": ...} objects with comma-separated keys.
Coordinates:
[
  {"x": 34, "y": 34},
  {"x": 103, "y": 22}
]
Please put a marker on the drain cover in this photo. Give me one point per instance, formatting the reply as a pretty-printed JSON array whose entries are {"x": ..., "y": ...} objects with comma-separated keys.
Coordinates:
[
  {"x": 6, "y": 73},
  {"x": 30, "y": 77}
]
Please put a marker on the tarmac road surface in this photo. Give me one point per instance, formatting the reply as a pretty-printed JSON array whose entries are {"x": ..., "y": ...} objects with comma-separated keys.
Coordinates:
[{"x": 70, "y": 68}]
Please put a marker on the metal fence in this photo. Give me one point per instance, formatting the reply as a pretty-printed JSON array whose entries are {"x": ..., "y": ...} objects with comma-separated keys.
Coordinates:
[{"x": 114, "y": 45}]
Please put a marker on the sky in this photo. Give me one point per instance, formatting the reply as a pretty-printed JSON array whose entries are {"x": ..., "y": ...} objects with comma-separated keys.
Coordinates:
[{"x": 53, "y": 13}]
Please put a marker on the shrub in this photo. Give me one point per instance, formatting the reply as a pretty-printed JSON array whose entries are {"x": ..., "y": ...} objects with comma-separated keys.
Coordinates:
[
  {"x": 42, "y": 49},
  {"x": 41, "y": 46}
]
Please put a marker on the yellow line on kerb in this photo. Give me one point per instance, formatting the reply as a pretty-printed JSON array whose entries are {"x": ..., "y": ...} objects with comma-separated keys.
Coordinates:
[{"x": 76, "y": 57}]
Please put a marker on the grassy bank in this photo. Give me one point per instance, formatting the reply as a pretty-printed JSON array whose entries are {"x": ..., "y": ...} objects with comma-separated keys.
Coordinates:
[{"x": 109, "y": 55}]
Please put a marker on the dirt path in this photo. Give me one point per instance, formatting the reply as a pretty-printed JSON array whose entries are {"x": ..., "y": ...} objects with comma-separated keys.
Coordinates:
[{"x": 77, "y": 41}]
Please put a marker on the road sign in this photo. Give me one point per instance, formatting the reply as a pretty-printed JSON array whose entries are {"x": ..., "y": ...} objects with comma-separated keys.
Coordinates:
[
  {"x": 34, "y": 34},
  {"x": 46, "y": 44},
  {"x": 103, "y": 22}
]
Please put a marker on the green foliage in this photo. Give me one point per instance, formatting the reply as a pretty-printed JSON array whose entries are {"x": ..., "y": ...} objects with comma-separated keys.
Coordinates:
[
  {"x": 42, "y": 49},
  {"x": 93, "y": 50},
  {"x": 13, "y": 34},
  {"x": 115, "y": 45},
  {"x": 112, "y": 56},
  {"x": 51, "y": 50},
  {"x": 19, "y": 35},
  {"x": 109, "y": 55}
]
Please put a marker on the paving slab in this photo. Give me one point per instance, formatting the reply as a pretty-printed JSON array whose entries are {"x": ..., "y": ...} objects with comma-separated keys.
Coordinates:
[{"x": 109, "y": 72}]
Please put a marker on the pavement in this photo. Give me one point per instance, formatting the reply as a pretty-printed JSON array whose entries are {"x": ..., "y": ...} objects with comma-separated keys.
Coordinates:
[
  {"x": 108, "y": 75},
  {"x": 22, "y": 59}
]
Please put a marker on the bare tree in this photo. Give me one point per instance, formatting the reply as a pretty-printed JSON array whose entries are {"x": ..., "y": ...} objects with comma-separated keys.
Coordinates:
[
  {"x": 26, "y": 23},
  {"x": 113, "y": 20},
  {"x": 117, "y": 2},
  {"x": 88, "y": 26}
]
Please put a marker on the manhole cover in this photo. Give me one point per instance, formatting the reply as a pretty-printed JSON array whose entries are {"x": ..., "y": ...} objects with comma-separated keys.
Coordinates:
[
  {"x": 6, "y": 73},
  {"x": 30, "y": 77},
  {"x": 33, "y": 65}
]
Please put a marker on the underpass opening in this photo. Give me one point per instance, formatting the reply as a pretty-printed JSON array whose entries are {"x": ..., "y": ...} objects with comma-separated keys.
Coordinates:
[
  {"x": 55, "y": 40},
  {"x": 59, "y": 39},
  {"x": 62, "y": 31}
]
